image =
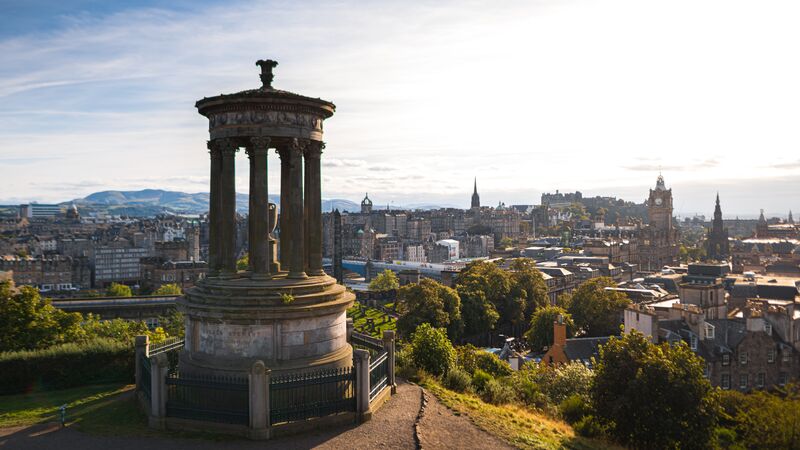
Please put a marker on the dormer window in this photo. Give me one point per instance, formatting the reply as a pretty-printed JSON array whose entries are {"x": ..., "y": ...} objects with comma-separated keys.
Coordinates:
[
  {"x": 693, "y": 342},
  {"x": 726, "y": 359},
  {"x": 709, "y": 331}
]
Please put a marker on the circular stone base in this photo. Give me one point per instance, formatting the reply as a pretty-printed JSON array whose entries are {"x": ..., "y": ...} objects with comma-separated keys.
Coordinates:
[{"x": 291, "y": 325}]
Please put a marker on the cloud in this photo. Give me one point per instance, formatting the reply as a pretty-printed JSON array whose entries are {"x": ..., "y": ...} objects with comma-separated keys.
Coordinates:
[
  {"x": 652, "y": 167},
  {"x": 335, "y": 162}
]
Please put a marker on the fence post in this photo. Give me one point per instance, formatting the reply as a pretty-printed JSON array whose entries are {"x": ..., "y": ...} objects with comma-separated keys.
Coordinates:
[
  {"x": 388, "y": 346},
  {"x": 350, "y": 327},
  {"x": 361, "y": 362},
  {"x": 142, "y": 346},
  {"x": 259, "y": 400},
  {"x": 159, "y": 366}
]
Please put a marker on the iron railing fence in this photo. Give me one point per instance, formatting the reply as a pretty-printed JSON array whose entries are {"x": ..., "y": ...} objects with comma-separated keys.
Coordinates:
[
  {"x": 378, "y": 374},
  {"x": 173, "y": 343},
  {"x": 222, "y": 399},
  {"x": 302, "y": 396},
  {"x": 366, "y": 342}
]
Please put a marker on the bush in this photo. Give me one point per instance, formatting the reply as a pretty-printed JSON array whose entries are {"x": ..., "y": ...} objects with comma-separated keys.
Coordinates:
[
  {"x": 589, "y": 427},
  {"x": 573, "y": 408},
  {"x": 492, "y": 365},
  {"x": 497, "y": 393},
  {"x": 67, "y": 365},
  {"x": 431, "y": 350},
  {"x": 457, "y": 380},
  {"x": 480, "y": 379},
  {"x": 466, "y": 358}
]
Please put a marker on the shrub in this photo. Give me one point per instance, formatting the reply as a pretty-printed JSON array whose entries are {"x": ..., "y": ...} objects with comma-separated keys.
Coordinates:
[
  {"x": 466, "y": 358},
  {"x": 67, "y": 365},
  {"x": 497, "y": 393},
  {"x": 573, "y": 408},
  {"x": 480, "y": 379},
  {"x": 589, "y": 427},
  {"x": 492, "y": 365},
  {"x": 457, "y": 380},
  {"x": 431, "y": 350}
]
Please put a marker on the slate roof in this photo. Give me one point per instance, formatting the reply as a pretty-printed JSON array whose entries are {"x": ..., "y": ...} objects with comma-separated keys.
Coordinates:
[{"x": 583, "y": 349}]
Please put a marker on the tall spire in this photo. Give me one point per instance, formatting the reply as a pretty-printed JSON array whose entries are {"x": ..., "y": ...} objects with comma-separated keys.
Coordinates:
[
  {"x": 791, "y": 219},
  {"x": 475, "y": 191},
  {"x": 476, "y": 199}
]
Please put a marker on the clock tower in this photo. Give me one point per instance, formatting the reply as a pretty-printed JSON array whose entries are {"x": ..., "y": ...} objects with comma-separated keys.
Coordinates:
[{"x": 658, "y": 241}]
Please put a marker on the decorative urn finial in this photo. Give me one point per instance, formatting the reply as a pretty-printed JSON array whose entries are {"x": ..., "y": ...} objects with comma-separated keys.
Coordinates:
[{"x": 266, "y": 72}]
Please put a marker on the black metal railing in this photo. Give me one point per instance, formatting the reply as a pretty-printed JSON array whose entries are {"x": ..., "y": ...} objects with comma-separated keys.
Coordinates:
[
  {"x": 368, "y": 343},
  {"x": 144, "y": 375},
  {"x": 222, "y": 399},
  {"x": 173, "y": 343},
  {"x": 378, "y": 374},
  {"x": 315, "y": 394}
]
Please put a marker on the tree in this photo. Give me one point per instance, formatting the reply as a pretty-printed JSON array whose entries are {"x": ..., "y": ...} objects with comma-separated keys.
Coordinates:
[
  {"x": 429, "y": 302},
  {"x": 30, "y": 322},
  {"x": 117, "y": 329},
  {"x": 506, "y": 242},
  {"x": 168, "y": 289},
  {"x": 528, "y": 282},
  {"x": 540, "y": 334},
  {"x": 769, "y": 420},
  {"x": 384, "y": 281},
  {"x": 478, "y": 313},
  {"x": 595, "y": 310},
  {"x": 119, "y": 290},
  {"x": 431, "y": 350},
  {"x": 653, "y": 396},
  {"x": 486, "y": 296},
  {"x": 243, "y": 263}
]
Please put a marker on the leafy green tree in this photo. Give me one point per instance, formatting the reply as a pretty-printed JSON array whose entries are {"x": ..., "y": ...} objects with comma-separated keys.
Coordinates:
[
  {"x": 653, "y": 396},
  {"x": 168, "y": 289},
  {"x": 116, "y": 329},
  {"x": 483, "y": 282},
  {"x": 429, "y": 302},
  {"x": 769, "y": 420},
  {"x": 540, "y": 334},
  {"x": 478, "y": 313},
  {"x": 506, "y": 242},
  {"x": 595, "y": 310},
  {"x": 431, "y": 350},
  {"x": 30, "y": 322},
  {"x": 384, "y": 281},
  {"x": 243, "y": 263},
  {"x": 119, "y": 290},
  {"x": 528, "y": 283}
]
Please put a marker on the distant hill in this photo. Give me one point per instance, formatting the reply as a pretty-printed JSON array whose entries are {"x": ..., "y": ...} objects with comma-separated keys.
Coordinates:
[{"x": 149, "y": 202}]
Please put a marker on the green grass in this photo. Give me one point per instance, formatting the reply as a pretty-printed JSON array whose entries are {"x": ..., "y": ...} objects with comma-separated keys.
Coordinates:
[
  {"x": 43, "y": 406},
  {"x": 520, "y": 427},
  {"x": 360, "y": 320}
]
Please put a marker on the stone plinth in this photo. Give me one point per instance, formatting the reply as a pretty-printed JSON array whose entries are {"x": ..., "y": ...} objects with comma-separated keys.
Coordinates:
[{"x": 230, "y": 323}]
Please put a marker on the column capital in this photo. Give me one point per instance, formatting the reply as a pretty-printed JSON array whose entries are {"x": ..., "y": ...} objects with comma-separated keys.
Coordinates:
[
  {"x": 314, "y": 149},
  {"x": 224, "y": 146},
  {"x": 298, "y": 146},
  {"x": 258, "y": 145}
]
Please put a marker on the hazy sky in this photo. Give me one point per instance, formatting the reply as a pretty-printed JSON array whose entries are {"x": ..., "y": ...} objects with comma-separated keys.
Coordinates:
[{"x": 528, "y": 96}]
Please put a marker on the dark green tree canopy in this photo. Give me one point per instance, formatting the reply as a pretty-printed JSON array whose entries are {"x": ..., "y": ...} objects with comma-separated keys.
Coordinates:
[
  {"x": 429, "y": 302},
  {"x": 595, "y": 310},
  {"x": 540, "y": 334},
  {"x": 384, "y": 281}
]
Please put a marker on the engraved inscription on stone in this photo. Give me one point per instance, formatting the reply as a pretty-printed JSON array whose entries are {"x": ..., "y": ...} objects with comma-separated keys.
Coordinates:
[
  {"x": 240, "y": 340},
  {"x": 275, "y": 118}
]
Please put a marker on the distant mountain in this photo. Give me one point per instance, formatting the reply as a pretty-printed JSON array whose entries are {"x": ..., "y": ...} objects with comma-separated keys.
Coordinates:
[{"x": 149, "y": 202}]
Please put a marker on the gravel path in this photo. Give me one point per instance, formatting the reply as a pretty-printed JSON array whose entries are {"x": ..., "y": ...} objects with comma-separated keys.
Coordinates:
[{"x": 394, "y": 426}]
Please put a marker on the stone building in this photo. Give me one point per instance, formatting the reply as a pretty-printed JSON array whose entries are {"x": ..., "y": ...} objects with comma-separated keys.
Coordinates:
[
  {"x": 48, "y": 273},
  {"x": 156, "y": 272},
  {"x": 717, "y": 245},
  {"x": 658, "y": 241}
]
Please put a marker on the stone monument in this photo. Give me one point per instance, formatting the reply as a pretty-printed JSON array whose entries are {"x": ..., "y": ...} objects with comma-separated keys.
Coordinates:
[{"x": 283, "y": 310}]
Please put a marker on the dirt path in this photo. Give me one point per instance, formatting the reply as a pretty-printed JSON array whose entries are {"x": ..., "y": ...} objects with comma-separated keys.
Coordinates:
[
  {"x": 391, "y": 427},
  {"x": 439, "y": 428}
]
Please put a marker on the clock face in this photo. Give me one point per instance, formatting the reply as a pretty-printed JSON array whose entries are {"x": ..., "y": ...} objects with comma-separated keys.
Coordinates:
[{"x": 659, "y": 201}]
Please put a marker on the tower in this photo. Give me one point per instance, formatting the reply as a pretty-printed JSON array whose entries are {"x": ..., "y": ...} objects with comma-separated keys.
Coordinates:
[
  {"x": 717, "y": 246},
  {"x": 476, "y": 199},
  {"x": 762, "y": 229},
  {"x": 366, "y": 205},
  {"x": 658, "y": 244}
]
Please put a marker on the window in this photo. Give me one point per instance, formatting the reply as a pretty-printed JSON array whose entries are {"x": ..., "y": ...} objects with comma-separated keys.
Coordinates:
[
  {"x": 742, "y": 358},
  {"x": 760, "y": 379},
  {"x": 693, "y": 342},
  {"x": 782, "y": 378},
  {"x": 709, "y": 331},
  {"x": 768, "y": 328},
  {"x": 787, "y": 355},
  {"x": 743, "y": 381},
  {"x": 771, "y": 355},
  {"x": 726, "y": 381},
  {"x": 726, "y": 359},
  {"x": 707, "y": 371}
]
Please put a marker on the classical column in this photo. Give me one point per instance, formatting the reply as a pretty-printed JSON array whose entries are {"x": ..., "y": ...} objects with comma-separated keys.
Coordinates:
[
  {"x": 258, "y": 217},
  {"x": 227, "y": 201},
  {"x": 285, "y": 211},
  {"x": 313, "y": 208},
  {"x": 213, "y": 210},
  {"x": 297, "y": 256}
]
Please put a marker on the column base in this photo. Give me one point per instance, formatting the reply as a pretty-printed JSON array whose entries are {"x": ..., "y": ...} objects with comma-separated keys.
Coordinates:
[
  {"x": 297, "y": 275},
  {"x": 227, "y": 275},
  {"x": 261, "y": 276},
  {"x": 316, "y": 273}
]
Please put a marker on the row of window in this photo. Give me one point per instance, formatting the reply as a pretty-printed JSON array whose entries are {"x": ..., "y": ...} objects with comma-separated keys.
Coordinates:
[
  {"x": 744, "y": 380},
  {"x": 743, "y": 357}
]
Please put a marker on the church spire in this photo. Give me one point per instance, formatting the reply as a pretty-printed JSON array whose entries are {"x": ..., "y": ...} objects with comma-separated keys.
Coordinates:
[
  {"x": 791, "y": 219},
  {"x": 476, "y": 199}
]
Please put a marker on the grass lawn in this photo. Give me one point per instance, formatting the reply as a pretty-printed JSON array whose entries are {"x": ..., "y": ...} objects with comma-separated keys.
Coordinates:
[
  {"x": 520, "y": 427},
  {"x": 360, "y": 320},
  {"x": 43, "y": 406}
]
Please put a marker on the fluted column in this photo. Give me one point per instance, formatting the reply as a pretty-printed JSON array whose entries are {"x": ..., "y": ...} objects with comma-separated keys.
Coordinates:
[
  {"x": 213, "y": 210},
  {"x": 227, "y": 223},
  {"x": 285, "y": 211},
  {"x": 258, "y": 217},
  {"x": 313, "y": 208},
  {"x": 297, "y": 257}
]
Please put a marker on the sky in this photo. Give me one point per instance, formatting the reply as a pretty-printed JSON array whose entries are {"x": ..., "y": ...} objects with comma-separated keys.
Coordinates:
[{"x": 527, "y": 96}]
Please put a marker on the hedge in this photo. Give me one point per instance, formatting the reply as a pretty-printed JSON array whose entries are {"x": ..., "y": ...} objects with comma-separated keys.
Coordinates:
[{"x": 67, "y": 365}]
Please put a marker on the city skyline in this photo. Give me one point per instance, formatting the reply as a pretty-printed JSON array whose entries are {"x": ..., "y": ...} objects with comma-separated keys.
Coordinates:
[{"x": 428, "y": 96}]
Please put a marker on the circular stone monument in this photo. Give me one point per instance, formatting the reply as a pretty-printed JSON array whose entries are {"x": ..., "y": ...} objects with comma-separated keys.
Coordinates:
[{"x": 284, "y": 311}]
